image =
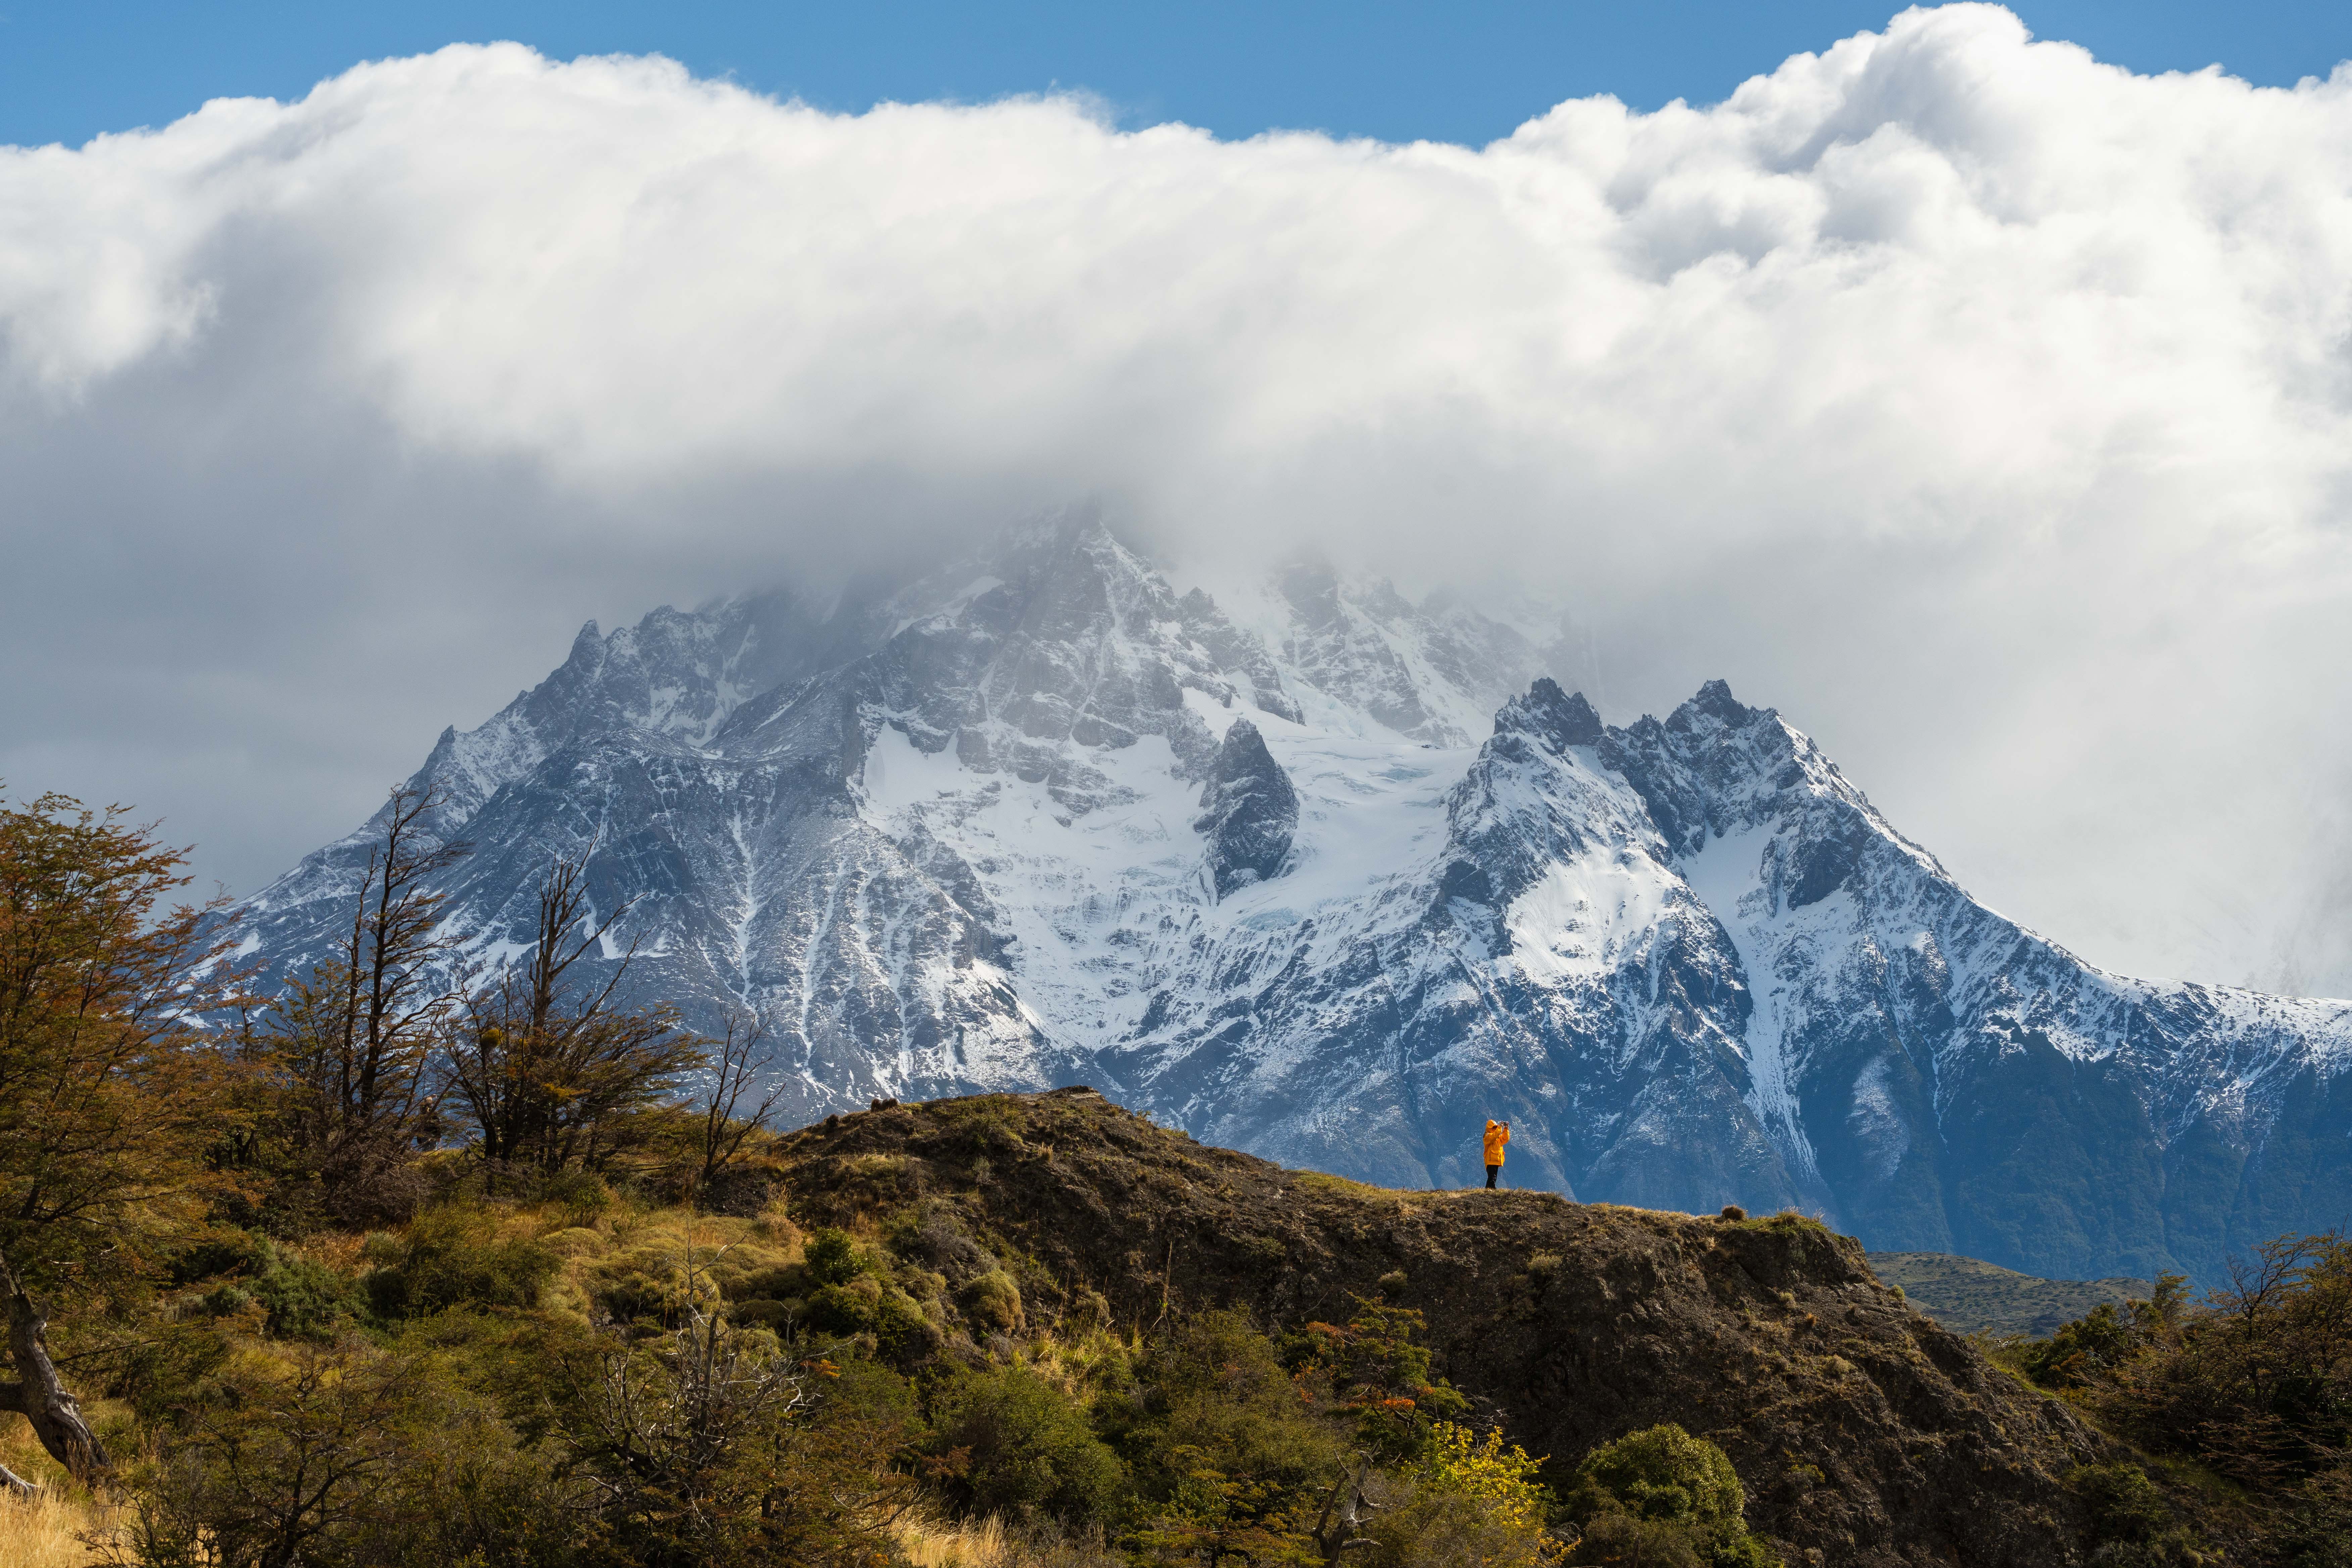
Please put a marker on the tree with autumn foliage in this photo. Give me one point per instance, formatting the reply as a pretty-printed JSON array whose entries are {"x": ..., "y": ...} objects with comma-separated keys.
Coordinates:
[
  {"x": 547, "y": 1059},
  {"x": 108, "y": 1105}
]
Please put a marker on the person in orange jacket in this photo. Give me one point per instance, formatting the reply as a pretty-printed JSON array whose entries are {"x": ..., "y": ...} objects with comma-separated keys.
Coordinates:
[{"x": 1497, "y": 1135}]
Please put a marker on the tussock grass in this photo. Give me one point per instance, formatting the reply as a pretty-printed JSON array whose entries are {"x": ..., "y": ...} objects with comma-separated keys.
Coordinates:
[
  {"x": 1340, "y": 1186},
  {"x": 942, "y": 1543},
  {"x": 45, "y": 1531}
]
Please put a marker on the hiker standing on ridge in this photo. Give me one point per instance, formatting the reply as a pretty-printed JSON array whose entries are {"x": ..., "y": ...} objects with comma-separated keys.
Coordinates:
[{"x": 1497, "y": 1135}]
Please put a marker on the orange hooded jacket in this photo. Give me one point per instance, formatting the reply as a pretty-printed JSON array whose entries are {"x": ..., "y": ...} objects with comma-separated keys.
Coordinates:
[{"x": 1496, "y": 1136}]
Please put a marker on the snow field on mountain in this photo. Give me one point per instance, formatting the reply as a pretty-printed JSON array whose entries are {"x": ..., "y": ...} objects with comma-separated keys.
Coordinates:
[
  {"x": 1108, "y": 906},
  {"x": 1727, "y": 877},
  {"x": 1589, "y": 917}
]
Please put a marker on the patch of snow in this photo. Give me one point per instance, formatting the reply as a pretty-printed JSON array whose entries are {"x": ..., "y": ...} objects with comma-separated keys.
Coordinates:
[
  {"x": 1590, "y": 916},
  {"x": 1728, "y": 877}
]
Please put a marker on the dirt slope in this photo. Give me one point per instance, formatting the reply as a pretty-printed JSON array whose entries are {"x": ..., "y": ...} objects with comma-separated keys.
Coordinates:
[{"x": 1865, "y": 1433}]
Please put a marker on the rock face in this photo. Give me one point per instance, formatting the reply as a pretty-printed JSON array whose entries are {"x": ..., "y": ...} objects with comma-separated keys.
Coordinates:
[
  {"x": 1250, "y": 811},
  {"x": 1863, "y": 1432},
  {"x": 1333, "y": 876}
]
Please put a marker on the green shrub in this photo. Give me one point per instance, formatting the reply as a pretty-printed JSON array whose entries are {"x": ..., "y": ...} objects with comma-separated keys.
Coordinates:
[
  {"x": 905, "y": 1334},
  {"x": 305, "y": 1298},
  {"x": 2081, "y": 1350},
  {"x": 832, "y": 1257},
  {"x": 583, "y": 1194},
  {"x": 1615, "y": 1538},
  {"x": 2124, "y": 1504},
  {"x": 451, "y": 1257},
  {"x": 758, "y": 1313},
  {"x": 344, "y": 1455},
  {"x": 993, "y": 1301},
  {"x": 844, "y": 1309},
  {"x": 773, "y": 1284},
  {"x": 635, "y": 1289},
  {"x": 2319, "y": 1533},
  {"x": 1224, "y": 1454},
  {"x": 225, "y": 1300},
  {"x": 1650, "y": 1489},
  {"x": 219, "y": 1252},
  {"x": 1027, "y": 1447}
]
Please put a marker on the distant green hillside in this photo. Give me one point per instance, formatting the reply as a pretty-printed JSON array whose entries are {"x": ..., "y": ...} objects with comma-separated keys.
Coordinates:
[{"x": 1969, "y": 1296}]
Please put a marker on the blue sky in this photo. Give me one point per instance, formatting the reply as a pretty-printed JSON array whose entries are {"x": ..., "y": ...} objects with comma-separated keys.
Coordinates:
[{"x": 1465, "y": 72}]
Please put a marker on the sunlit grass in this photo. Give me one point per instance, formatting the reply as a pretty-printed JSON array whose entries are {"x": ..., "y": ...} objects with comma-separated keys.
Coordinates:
[
  {"x": 45, "y": 1531},
  {"x": 931, "y": 1542}
]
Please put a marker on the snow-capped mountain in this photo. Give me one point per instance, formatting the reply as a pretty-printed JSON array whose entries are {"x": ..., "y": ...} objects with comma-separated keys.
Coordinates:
[{"x": 1317, "y": 872}]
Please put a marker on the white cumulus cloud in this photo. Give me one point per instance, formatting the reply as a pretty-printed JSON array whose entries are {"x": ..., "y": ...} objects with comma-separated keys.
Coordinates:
[{"x": 1983, "y": 406}]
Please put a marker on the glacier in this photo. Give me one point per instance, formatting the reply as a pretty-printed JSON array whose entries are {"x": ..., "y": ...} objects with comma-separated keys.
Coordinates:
[{"x": 1308, "y": 869}]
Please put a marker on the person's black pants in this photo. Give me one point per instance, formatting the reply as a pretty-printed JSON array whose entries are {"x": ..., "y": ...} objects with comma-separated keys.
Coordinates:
[{"x": 1492, "y": 1172}]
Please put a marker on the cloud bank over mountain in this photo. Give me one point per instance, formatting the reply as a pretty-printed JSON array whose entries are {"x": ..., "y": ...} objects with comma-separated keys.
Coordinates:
[{"x": 1986, "y": 406}]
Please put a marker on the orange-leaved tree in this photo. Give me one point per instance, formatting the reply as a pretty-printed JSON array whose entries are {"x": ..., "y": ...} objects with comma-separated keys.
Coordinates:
[{"x": 110, "y": 1094}]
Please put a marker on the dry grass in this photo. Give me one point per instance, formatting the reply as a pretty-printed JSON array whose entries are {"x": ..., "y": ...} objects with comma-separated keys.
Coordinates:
[
  {"x": 47, "y": 1532},
  {"x": 1340, "y": 1186},
  {"x": 928, "y": 1541},
  {"x": 939, "y": 1543},
  {"x": 43, "y": 1532},
  {"x": 1075, "y": 1363},
  {"x": 656, "y": 1241}
]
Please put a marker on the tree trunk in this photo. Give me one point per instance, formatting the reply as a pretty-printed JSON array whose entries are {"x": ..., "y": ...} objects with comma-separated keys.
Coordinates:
[{"x": 41, "y": 1397}]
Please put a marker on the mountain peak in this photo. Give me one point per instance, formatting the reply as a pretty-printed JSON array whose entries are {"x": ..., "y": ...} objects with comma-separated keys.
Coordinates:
[
  {"x": 1562, "y": 719},
  {"x": 1714, "y": 699}
]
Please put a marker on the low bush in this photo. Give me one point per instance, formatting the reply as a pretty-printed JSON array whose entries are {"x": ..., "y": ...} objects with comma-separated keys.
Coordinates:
[
  {"x": 1226, "y": 1455},
  {"x": 845, "y": 1308},
  {"x": 1012, "y": 1443},
  {"x": 1658, "y": 1495},
  {"x": 304, "y": 1298},
  {"x": 454, "y": 1258},
  {"x": 992, "y": 1301}
]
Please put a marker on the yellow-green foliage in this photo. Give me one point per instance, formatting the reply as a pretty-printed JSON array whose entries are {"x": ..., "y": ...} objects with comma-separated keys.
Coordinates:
[
  {"x": 1499, "y": 1476},
  {"x": 1788, "y": 1221},
  {"x": 453, "y": 1255},
  {"x": 1024, "y": 1446}
]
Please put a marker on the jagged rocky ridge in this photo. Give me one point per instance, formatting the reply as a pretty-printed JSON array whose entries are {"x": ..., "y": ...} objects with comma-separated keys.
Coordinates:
[{"x": 1325, "y": 875}]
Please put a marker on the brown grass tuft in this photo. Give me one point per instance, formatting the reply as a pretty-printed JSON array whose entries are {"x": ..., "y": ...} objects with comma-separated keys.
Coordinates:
[{"x": 942, "y": 1543}]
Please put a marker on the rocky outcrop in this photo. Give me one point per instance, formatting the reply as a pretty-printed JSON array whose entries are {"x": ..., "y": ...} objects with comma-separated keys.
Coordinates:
[
  {"x": 1863, "y": 1432},
  {"x": 1249, "y": 811}
]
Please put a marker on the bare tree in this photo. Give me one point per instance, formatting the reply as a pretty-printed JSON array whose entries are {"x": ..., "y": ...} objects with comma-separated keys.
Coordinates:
[
  {"x": 542, "y": 1064},
  {"x": 743, "y": 1067},
  {"x": 356, "y": 1034},
  {"x": 395, "y": 948}
]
